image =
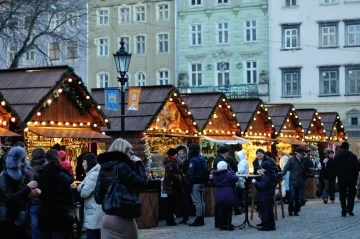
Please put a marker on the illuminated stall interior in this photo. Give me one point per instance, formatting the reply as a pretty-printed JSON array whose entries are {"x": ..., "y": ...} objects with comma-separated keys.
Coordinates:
[
  {"x": 335, "y": 131},
  {"x": 216, "y": 120},
  {"x": 288, "y": 128},
  {"x": 53, "y": 106},
  {"x": 256, "y": 126}
]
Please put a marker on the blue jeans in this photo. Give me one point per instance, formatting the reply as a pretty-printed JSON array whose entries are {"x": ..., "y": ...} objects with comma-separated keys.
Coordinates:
[
  {"x": 93, "y": 234},
  {"x": 53, "y": 235},
  {"x": 34, "y": 221},
  {"x": 197, "y": 198},
  {"x": 295, "y": 195}
]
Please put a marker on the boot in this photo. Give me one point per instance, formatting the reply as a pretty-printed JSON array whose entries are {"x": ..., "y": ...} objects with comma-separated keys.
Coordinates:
[
  {"x": 199, "y": 221},
  {"x": 185, "y": 220},
  {"x": 229, "y": 226},
  {"x": 170, "y": 221}
]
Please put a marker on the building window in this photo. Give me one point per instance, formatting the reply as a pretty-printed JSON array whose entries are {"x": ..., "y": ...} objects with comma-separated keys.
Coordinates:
[
  {"x": 222, "y": 1},
  {"x": 140, "y": 79},
  {"x": 223, "y": 32},
  {"x": 223, "y": 73},
  {"x": 103, "y": 17},
  {"x": 103, "y": 47},
  {"x": 195, "y": 2},
  {"x": 30, "y": 54},
  {"x": 291, "y": 36},
  {"x": 103, "y": 80},
  {"x": 11, "y": 52},
  {"x": 12, "y": 26},
  {"x": 329, "y": 1},
  {"x": 72, "y": 50},
  {"x": 163, "y": 77},
  {"x": 352, "y": 80},
  {"x": 140, "y": 44},
  {"x": 73, "y": 19},
  {"x": 354, "y": 121},
  {"x": 140, "y": 14},
  {"x": 127, "y": 43},
  {"x": 54, "y": 20},
  {"x": 352, "y": 31},
  {"x": 290, "y": 3},
  {"x": 250, "y": 30},
  {"x": 251, "y": 72},
  {"x": 163, "y": 12},
  {"x": 27, "y": 21},
  {"x": 195, "y": 35},
  {"x": 54, "y": 51},
  {"x": 163, "y": 43},
  {"x": 329, "y": 81},
  {"x": 124, "y": 15},
  {"x": 328, "y": 34},
  {"x": 196, "y": 74},
  {"x": 291, "y": 82}
]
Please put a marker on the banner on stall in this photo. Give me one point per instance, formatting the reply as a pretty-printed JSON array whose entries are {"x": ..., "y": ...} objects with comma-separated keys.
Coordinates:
[
  {"x": 134, "y": 98},
  {"x": 112, "y": 99}
]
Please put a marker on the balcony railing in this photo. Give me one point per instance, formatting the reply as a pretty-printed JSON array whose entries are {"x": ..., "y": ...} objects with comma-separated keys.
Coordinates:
[{"x": 231, "y": 91}]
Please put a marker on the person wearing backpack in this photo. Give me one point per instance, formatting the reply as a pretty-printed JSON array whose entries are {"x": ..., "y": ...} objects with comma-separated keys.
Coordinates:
[{"x": 197, "y": 176}]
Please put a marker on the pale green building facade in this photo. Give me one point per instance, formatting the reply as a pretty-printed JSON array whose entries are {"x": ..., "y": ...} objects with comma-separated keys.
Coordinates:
[{"x": 223, "y": 44}]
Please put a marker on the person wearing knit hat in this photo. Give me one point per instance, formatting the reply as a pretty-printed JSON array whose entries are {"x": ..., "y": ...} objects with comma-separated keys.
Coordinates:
[
  {"x": 225, "y": 198},
  {"x": 171, "y": 185},
  {"x": 347, "y": 171},
  {"x": 12, "y": 189},
  {"x": 265, "y": 196},
  {"x": 222, "y": 154},
  {"x": 65, "y": 163},
  {"x": 262, "y": 157}
]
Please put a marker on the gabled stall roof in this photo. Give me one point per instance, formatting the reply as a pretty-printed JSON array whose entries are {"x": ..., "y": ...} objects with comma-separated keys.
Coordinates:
[
  {"x": 312, "y": 124},
  {"x": 28, "y": 91},
  {"x": 335, "y": 130},
  {"x": 254, "y": 120},
  {"x": 213, "y": 113},
  {"x": 152, "y": 101}
]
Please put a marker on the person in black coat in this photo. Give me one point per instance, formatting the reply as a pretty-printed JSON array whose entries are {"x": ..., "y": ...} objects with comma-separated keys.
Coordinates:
[
  {"x": 222, "y": 155},
  {"x": 130, "y": 171},
  {"x": 262, "y": 157},
  {"x": 347, "y": 170},
  {"x": 265, "y": 196},
  {"x": 56, "y": 199},
  {"x": 13, "y": 195},
  {"x": 328, "y": 176}
]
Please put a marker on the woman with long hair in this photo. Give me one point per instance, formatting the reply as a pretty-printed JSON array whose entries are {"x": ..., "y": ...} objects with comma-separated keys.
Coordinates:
[
  {"x": 118, "y": 163},
  {"x": 54, "y": 182},
  {"x": 93, "y": 213}
]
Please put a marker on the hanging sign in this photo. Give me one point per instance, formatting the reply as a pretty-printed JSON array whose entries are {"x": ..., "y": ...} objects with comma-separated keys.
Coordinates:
[
  {"x": 134, "y": 98},
  {"x": 112, "y": 99}
]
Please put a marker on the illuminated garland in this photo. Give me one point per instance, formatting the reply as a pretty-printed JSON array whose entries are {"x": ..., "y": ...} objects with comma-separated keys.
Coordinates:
[{"x": 148, "y": 158}]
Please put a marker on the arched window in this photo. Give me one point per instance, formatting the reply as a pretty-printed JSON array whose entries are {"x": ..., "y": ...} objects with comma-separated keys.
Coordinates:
[{"x": 140, "y": 79}]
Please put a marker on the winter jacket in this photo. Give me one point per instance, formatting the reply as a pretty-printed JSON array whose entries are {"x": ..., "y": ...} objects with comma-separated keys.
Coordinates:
[
  {"x": 243, "y": 166},
  {"x": 224, "y": 181},
  {"x": 257, "y": 164},
  {"x": 67, "y": 165},
  {"x": 297, "y": 168},
  {"x": 266, "y": 186},
  {"x": 218, "y": 159},
  {"x": 229, "y": 160},
  {"x": 13, "y": 196},
  {"x": 172, "y": 179},
  {"x": 114, "y": 164},
  {"x": 93, "y": 212},
  {"x": 56, "y": 198},
  {"x": 328, "y": 169},
  {"x": 283, "y": 161},
  {"x": 197, "y": 168},
  {"x": 347, "y": 166}
]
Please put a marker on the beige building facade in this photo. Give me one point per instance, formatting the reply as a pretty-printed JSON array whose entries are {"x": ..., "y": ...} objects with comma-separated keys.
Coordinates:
[{"x": 148, "y": 29}]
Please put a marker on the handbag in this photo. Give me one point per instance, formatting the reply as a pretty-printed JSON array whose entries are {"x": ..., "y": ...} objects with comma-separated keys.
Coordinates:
[
  {"x": 75, "y": 226},
  {"x": 121, "y": 200}
]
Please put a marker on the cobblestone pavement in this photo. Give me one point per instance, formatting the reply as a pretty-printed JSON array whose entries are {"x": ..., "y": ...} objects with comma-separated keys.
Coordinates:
[{"x": 316, "y": 220}]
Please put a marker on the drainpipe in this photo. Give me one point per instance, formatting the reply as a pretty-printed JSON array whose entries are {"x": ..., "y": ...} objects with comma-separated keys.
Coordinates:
[
  {"x": 176, "y": 42},
  {"x": 269, "y": 49}
]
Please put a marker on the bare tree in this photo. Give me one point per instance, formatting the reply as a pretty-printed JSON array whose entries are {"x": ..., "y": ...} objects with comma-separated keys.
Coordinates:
[{"x": 26, "y": 24}]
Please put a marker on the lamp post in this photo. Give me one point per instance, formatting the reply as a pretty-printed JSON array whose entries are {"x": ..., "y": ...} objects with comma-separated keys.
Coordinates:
[{"x": 122, "y": 62}]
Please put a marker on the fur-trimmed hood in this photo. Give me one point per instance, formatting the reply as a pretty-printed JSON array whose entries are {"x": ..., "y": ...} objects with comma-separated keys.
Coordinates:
[
  {"x": 16, "y": 163},
  {"x": 109, "y": 159}
]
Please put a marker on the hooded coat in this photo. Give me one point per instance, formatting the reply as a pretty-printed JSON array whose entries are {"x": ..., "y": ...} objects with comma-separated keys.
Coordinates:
[
  {"x": 65, "y": 163},
  {"x": 118, "y": 164},
  {"x": 224, "y": 181},
  {"x": 266, "y": 186},
  {"x": 172, "y": 178},
  {"x": 243, "y": 165},
  {"x": 13, "y": 192},
  {"x": 93, "y": 212}
]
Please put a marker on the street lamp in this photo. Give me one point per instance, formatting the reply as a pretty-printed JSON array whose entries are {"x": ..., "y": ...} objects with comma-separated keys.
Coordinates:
[{"x": 122, "y": 62}]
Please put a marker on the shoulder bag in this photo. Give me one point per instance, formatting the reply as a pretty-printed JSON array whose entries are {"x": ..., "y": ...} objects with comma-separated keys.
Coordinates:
[{"x": 121, "y": 200}]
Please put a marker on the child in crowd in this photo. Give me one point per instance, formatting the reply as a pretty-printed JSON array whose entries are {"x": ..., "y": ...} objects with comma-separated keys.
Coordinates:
[
  {"x": 265, "y": 197},
  {"x": 225, "y": 197}
]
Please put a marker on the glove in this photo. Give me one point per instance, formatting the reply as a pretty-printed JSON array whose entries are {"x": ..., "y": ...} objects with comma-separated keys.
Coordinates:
[{"x": 253, "y": 181}]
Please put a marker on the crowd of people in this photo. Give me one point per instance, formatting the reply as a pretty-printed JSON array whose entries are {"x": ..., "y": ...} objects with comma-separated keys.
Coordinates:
[{"x": 40, "y": 192}]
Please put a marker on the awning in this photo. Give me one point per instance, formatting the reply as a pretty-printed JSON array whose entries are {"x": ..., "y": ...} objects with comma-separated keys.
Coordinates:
[
  {"x": 7, "y": 133},
  {"x": 291, "y": 141},
  {"x": 225, "y": 139},
  {"x": 260, "y": 139},
  {"x": 54, "y": 132}
]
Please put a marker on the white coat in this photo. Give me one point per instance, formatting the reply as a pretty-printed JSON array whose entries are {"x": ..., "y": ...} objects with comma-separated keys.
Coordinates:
[
  {"x": 243, "y": 166},
  {"x": 93, "y": 212}
]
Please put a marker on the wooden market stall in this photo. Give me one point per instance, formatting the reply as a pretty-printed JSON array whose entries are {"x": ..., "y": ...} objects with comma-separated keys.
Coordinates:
[
  {"x": 335, "y": 131},
  {"x": 288, "y": 128},
  {"x": 51, "y": 105},
  {"x": 256, "y": 126}
]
